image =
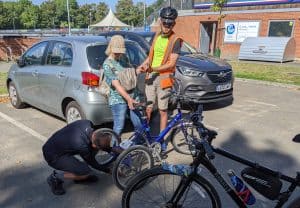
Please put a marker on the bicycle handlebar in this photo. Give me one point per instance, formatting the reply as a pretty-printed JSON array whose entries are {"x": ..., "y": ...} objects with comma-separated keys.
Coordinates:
[{"x": 205, "y": 143}]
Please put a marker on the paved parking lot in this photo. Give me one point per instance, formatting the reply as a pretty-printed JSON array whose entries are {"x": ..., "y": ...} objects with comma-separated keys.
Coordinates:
[{"x": 259, "y": 125}]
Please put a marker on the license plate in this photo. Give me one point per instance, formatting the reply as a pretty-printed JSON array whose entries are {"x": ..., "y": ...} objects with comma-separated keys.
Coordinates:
[{"x": 223, "y": 87}]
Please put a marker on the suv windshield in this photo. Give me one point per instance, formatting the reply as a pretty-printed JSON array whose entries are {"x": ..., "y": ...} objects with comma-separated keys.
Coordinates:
[
  {"x": 187, "y": 49},
  {"x": 96, "y": 55}
]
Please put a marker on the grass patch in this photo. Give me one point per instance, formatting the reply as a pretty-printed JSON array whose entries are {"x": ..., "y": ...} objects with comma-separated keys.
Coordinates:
[
  {"x": 3, "y": 76},
  {"x": 282, "y": 73}
]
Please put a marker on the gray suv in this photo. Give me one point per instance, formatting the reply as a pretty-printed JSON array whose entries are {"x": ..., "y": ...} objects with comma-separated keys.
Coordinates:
[
  {"x": 203, "y": 77},
  {"x": 61, "y": 76}
]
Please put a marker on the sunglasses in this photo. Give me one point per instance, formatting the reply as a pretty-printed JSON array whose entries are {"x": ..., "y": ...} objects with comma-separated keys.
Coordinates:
[{"x": 168, "y": 23}]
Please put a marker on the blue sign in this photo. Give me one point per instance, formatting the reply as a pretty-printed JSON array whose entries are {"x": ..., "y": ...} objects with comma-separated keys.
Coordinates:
[
  {"x": 147, "y": 28},
  {"x": 230, "y": 29}
]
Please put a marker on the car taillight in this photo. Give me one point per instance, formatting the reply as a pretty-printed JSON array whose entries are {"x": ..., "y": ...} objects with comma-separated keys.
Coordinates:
[{"x": 90, "y": 79}]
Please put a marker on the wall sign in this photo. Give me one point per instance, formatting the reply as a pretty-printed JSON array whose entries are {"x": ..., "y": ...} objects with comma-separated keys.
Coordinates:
[{"x": 236, "y": 32}]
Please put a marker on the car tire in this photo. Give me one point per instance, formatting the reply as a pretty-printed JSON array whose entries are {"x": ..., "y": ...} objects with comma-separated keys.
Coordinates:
[
  {"x": 14, "y": 97},
  {"x": 73, "y": 112}
]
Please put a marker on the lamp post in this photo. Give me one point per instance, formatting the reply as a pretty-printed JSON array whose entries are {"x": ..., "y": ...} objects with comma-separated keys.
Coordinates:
[
  {"x": 68, "y": 10},
  {"x": 144, "y": 13}
]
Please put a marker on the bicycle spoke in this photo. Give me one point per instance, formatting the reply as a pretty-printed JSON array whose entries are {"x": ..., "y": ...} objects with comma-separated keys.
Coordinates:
[{"x": 158, "y": 191}]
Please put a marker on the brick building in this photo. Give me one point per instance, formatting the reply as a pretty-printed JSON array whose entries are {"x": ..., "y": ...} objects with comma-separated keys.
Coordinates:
[
  {"x": 11, "y": 47},
  {"x": 256, "y": 18}
]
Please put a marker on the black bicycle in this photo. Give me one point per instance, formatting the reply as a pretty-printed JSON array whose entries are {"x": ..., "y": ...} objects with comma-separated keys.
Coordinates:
[{"x": 179, "y": 186}]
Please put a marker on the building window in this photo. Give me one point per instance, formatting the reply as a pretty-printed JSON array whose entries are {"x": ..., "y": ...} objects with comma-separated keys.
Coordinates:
[{"x": 281, "y": 28}]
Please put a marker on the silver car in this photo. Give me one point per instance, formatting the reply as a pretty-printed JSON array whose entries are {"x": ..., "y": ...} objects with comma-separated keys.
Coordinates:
[{"x": 61, "y": 76}]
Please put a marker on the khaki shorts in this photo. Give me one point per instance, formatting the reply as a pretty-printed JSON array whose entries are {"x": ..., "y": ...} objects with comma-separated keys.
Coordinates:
[{"x": 154, "y": 91}]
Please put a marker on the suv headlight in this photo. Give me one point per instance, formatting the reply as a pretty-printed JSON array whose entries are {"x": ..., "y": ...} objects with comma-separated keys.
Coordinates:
[{"x": 189, "y": 72}]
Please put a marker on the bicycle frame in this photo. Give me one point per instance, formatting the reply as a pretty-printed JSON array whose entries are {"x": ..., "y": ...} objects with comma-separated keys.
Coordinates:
[
  {"x": 202, "y": 159},
  {"x": 159, "y": 138}
]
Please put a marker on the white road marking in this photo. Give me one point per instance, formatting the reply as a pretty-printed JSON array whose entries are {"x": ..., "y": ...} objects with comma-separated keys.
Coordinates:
[
  {"x": 211, "y": 127},
  {"x": 23, "y": 127},
  {"x": 262, "y": 103}
]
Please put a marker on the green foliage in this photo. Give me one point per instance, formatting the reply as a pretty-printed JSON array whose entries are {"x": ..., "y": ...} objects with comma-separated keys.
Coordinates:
[
  {"x": 218, "y": 5},
  {"x": 23, "y": 14},
  {"x": 129, "y": 13},
  {"x": 3, "y": 76},
  {"x": 273, "y": 72},
  {"x": 100, "y": 12}
]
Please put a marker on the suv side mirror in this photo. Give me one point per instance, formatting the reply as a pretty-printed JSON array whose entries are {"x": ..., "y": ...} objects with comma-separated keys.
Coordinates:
[{"x": 21, "y": 62}]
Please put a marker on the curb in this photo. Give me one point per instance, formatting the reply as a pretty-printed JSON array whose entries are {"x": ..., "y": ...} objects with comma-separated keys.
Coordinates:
[
  {"x": 276, "y": 84},
  {"x": 4, "y": 95},
  {"x": 4, "y": 98}
]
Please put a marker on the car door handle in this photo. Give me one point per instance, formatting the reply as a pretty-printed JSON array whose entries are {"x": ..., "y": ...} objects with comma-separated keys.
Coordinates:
[
  {"x": 35, "y": 73},
  {"x": 61, "y": 74}
]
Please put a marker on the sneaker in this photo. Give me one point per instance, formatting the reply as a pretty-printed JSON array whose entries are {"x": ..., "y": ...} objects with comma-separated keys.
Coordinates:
[
  {"x": 56, "y": 184},
  {"x": 89, "y": 179}
]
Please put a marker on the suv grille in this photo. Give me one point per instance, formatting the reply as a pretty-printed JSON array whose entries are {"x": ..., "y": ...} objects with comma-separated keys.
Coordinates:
[{"x": 220, "y": 76}]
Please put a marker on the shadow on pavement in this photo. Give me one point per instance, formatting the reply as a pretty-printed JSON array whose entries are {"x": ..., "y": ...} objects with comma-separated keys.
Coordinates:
[
  {"x": 271, "y": 157},
  {"x": 25, "y": 186}
]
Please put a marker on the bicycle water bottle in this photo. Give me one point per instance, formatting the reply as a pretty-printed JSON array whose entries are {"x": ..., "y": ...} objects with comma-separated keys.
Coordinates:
[
  {"x": 180, "y": 169},
  {"x": 242, "y": 190}
]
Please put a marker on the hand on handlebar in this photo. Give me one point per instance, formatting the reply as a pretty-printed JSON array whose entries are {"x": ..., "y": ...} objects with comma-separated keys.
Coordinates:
[{"x": 131, "y": 102}]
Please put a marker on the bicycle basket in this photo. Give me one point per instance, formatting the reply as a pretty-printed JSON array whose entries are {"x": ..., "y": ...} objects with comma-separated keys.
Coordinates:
[{"x": 267, "y": 185}]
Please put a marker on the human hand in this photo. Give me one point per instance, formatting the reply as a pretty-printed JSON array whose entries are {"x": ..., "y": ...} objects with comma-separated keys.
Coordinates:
[
  {"x": 140, "y": 69},
  {"x": 149, "y": 70},
  {"x": 131, "y": 102}
]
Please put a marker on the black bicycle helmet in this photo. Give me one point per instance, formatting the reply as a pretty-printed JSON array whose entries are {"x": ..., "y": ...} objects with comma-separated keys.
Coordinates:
[{"x": 168, "y": 13}]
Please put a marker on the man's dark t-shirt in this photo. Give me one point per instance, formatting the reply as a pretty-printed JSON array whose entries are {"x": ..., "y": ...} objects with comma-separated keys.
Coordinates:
[{"x": 73, "y": 139}]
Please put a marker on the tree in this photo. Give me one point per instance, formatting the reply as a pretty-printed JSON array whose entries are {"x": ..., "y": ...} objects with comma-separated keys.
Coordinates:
[
  {"x": 101, "y": 12},
  {"x": 3, "y": 19},
  {"x": 128, "y": 13},
  {"x": 48, "y": 19},
  {"x": 29, "y": 17},
  {"x": 218, "y": 6}
]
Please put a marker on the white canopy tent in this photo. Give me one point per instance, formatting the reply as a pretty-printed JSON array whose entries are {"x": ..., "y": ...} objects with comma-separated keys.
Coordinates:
[{"x": 110, "y": 21}]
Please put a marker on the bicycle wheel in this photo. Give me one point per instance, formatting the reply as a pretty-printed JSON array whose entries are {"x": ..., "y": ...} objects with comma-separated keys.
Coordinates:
[
  {"x": 155, "y": 188},
  {"x": 129, "y": 163},
  {"x": 178, "y": 139},
  {"x": 103, "y": 157},
  {"x": 295, "y": 203}
]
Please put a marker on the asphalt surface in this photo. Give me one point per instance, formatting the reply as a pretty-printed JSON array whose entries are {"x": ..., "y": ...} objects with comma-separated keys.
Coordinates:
[{"x": 259, "y": 126}]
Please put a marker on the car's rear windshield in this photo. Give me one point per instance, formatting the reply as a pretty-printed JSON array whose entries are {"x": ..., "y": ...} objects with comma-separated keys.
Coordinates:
[{"x": 96, "y": 55}]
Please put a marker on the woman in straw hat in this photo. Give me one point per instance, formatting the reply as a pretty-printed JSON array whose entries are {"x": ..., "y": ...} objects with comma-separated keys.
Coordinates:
[{"x": 119, "y": 99}]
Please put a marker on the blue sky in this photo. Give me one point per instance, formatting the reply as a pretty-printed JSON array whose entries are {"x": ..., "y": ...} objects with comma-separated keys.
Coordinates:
[{"x": 111, "y": 3}]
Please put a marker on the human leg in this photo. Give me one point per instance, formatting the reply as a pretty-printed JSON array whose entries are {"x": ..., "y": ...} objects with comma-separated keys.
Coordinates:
[
  {"x": 119, "y": 114},
  {"x": 68, "y": 167},
  {"x": 150, "y": 91}
]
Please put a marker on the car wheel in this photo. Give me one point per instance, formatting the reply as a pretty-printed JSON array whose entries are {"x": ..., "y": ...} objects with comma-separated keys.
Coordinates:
[
  {"x": 73, "y": 112},
  {"x": 14, "y": 96}
]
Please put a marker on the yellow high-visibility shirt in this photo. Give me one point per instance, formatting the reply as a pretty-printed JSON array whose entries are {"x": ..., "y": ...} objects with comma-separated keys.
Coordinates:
[{"x": 160, "y": 46}]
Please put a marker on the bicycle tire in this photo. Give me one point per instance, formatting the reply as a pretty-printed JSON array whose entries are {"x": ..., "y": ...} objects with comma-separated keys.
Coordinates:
[
  {"x": 295, "y": 203},
  {"x": 122, "y": 172},
  {"x": 105, "y": 158},
  {"x": 203, "y": 189},
  {"x": 179, "y": 141}
]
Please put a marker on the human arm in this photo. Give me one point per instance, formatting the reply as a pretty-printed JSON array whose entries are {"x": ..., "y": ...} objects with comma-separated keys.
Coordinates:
[
  {"x": 144, "y": 66},
  {"x": 130, "y": 101},
  {"x": 89, "y": 157},
  {"x": 113, "y": 81},
  {"x": 171, "y": 63}
]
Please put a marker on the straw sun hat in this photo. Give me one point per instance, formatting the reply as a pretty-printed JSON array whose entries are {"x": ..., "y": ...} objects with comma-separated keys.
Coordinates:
[{"x": 116, "y": 45}]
